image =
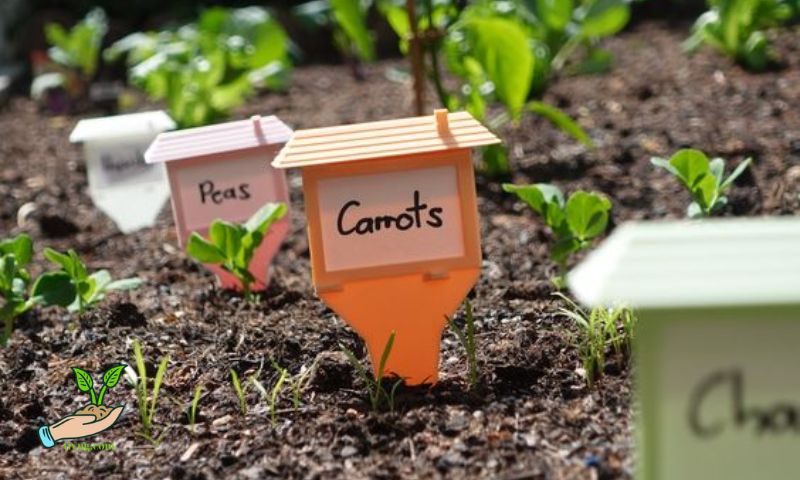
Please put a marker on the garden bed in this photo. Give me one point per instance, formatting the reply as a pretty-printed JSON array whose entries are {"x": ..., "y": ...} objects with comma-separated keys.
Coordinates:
[{"x": 532, "y": 416}]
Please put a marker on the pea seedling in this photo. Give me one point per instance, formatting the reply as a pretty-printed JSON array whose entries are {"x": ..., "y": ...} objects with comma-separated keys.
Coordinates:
[
  {"x": 466, "y": 336},
  {"x": 232, "y": 245},
  {"x": 736, "y": 28},
  {"x": 375, "y": 390},
  {"x": 703, "y": 178},
  {"x": 574, "y": 222},
  {"x": 89, "y": 289},
  {"x": 53, "y": 288}
]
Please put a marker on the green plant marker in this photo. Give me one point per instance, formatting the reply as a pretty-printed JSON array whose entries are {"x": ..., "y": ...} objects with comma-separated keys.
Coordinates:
[{"x": 716, "y": 344}]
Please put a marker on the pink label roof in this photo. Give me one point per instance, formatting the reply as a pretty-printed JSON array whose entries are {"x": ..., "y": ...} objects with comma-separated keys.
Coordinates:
[
  {"x": 365, "y": 141},
  {"x": 215, "y": 139}
]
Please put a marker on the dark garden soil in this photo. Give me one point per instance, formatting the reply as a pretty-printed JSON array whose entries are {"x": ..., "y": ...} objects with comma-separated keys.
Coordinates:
[{"x": 532, "y": 416}]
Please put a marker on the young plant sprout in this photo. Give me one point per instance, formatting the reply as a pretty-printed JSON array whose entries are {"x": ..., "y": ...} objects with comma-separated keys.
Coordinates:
[
  {"x": 85, "y": 383},
  {"x": 147, "y": 410},
  {"x": 233, "y": 245},
  {"x": 737, "y": 29},
  {"x": 53, "y": 288},
  {"x": 89, "y": 290},
  {"x": 466, "y": 336},
  {"x": 599, "y": 329},
  {"x": 237, "y": 387},
  {"x": 704, "y": 179},
  {"x": 283, "y": 374},
  {"x": 574, "y": 222},
  {"x": 375, "y": 389},
  {"x": 198, "y": 389}
]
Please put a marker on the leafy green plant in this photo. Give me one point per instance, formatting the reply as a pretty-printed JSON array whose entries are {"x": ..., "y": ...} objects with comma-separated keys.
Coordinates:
[
  {"x": 147, "y": 409},
  {"x": 237, "y": 387},
  {"x": 375, "y": 389},
  {"x": 77, "y": 51},
  {"x": 347, "y": 19},
  {"x": 737, "y": 29},
  {"x": 89, "y": 289},
  {"x": 205, "y": 69},
  {"x": 704, "y": 179},
  {"x": 85, "y": 383},
  {"x": 233, "y": 245},
  {"x": 599, "y": 329},
  {"x": 495, "y": 56},
  {"x": 466, "y": 336},
  {"x": 53, "y": 288},
  {"x": 574, "y": 223},
  {"x": 198, "y": 389}
]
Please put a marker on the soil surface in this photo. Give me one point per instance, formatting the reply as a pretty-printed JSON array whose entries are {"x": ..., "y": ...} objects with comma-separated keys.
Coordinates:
[{"x": 532, "y": 416}]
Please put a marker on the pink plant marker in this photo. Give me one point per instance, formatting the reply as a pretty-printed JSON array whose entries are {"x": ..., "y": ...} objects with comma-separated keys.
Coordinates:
[{"x": 223, "y": 171}]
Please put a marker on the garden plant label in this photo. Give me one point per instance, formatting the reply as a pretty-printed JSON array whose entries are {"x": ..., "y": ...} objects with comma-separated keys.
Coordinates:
[
  {"x": 128, "y": 190},
  {"x": 223, "y": 172},
  {"x": 393, "y": 228},
  {"x": 716, "y": 345}
]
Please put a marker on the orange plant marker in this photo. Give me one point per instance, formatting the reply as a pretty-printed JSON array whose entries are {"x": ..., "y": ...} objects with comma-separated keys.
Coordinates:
[{"x": 393, "y": 228}]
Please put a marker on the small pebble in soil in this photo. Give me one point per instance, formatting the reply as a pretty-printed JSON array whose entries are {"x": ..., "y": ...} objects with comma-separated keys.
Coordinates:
[{"x": 348, "y": 451}]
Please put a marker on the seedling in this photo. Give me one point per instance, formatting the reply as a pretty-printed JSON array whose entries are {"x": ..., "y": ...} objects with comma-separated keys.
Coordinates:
[
  {"x": 466, "y": 336},
  {"x": 505, "y": 55},
  {"x": 737, "y": 29},
  {"x": 348, "y": 20},
  {"x": 205, "y": 69},
  {"x": 147, "y": 410},
  {"x": 703, "y": 179},
  {"x": 233, "y": 245},
  {"x": 599, "y": 329},
  {"x": 299, "y": 382},
  {"x": 76, "y": 52},
  {"x": 198, "y": 389},
  {"x": 283, "y": 374},
  {"x": 85, "y": 383},
  {"x": 375, "y": 390},
  {"x": 89, "y": 290},
  {"x": 574, "y": 223},
  {"x": 237, "y": 387},
  {"x": 52, "y": 288}
]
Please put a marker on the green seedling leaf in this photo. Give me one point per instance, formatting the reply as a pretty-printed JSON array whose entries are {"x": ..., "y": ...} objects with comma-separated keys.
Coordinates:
[
  {"x": 265, "y": 217},
  {"x": 54, "y": 288},
  {"x": 736, "y": 173},
  {"x": 20, "y": 246},
  {"x": 691, "y": 165},
  {"x": 124, "y": 284},
  {"x": 564, "y": 122},
  {"x": 204, "y": 251},
  {"x": 59, "y": 259},
  {"x": 604, "y": 18},
  {"x": 587, "y": 214},
  {"x": 351, "y": 17},
  {"x": 538, "y": 196},
  {"x": 555, "y": 13}
]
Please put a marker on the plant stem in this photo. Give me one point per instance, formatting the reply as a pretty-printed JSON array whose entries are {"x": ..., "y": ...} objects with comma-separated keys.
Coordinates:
[
  {"x": 433, "y": 46},
  {"x": 8, "y": 324},
  {"x": 93, "y": 396},
  {"x": 101, "y": 395}
]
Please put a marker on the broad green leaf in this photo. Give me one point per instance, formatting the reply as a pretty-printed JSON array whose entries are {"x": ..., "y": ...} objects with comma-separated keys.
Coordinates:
[
  {"x": 111, "y": 377},
  {"x": 59, "y": 259},
  {"x": 691, "y": 165},
  {"x": 495, "y": 160},
  {"x": 398, "y": 20},
  {"x": 203, "y": 251},
  {"x": 78, "y": 268},
  {"x": 265, "y": 216},
  {"x": 125, "y": 284},
  {"x": 83, "y": 379},
  {"x": 54, "y": 288},
  {"x": 587, "y": 214},
  {"x": 352, "y": 19},
  {"x": 604, "y": 18},
  {"x": 20, "y": 246},
  {"x": 705, "y": 192},
  {"x": 502, "y": 48},
  {"x": 227, "y": 237},
  {"x": 735, "y": 174},
  {"x": 663, "y": 163},
  {"x": 537, "y": 196},
  {"x": 564, "y": 122},
  {"x": 101, "y": 279},
  {"x": 555, "y": 13}
]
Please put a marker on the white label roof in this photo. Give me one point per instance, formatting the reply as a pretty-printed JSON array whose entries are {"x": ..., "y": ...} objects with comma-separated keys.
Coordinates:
[
  {"x": 120, "y": 126},
  {"x": 694, "y": 263}
]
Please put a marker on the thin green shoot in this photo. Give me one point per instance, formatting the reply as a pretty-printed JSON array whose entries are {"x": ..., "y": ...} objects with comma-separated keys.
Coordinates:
[
  {"x": 147, "y": 409},
  {"x": 240, "y": 394},
  {"x": 376, "y": 392},
  {"x": 198, "y": 389},
  {"x": 466, "y": 336}
]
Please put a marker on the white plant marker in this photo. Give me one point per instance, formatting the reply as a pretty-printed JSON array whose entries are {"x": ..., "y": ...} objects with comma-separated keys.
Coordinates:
[
  {"x": 124, "y": 187},
  {"x": 717, "y": 346}
]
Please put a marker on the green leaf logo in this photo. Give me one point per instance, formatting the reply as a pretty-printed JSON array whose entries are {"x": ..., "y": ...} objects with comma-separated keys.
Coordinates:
[
  {"x": 83, "y": 379},
  {"x": 111, "y": 377}
]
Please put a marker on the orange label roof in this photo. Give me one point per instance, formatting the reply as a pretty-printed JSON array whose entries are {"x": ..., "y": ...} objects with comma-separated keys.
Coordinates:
[{"x": 366, "y": 141}]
